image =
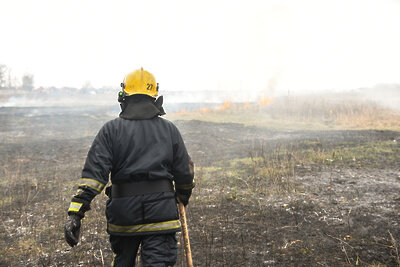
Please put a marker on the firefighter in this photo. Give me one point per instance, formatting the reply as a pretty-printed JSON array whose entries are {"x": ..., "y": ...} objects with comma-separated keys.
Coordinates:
[{"x": 147, "y": 159}]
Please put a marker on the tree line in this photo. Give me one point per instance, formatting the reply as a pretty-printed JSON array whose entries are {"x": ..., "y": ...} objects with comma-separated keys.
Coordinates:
[{"x": 11, "y": 82}]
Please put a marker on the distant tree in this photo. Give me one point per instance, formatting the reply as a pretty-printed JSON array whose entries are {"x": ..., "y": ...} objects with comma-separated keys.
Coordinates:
[
  {"x": 3, "y": 76},
  {"x": 12, "y": 81},
  {"x": 87, "y": 88},
  {"x": 27, "y": 82},
  {"x": 87, "y": 85}
]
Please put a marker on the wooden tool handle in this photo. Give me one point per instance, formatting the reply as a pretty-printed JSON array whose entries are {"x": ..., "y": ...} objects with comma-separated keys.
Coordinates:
[{"x": 185, "y": 233}]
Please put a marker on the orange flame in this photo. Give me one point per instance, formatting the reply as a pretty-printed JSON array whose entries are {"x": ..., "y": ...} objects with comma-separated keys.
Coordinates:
[
  {"x": 265, "y": 101},
  {"x": 225, "y": 105},
  {"x": 183, "y": 111},
  {"x": 206, "y": 109}
]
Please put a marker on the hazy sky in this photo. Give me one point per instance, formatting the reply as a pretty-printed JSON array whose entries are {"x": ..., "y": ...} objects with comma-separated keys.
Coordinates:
[{"x": 210, "y": 44}]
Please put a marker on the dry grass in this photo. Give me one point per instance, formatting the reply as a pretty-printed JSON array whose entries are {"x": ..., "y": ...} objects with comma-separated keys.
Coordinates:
[
  {"x": 303, "y": 112},
  {"x": 271, "y": 171}
]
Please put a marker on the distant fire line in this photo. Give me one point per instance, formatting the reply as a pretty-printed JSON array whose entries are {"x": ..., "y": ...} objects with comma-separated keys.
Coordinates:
[{"x": 228, "y": 104}]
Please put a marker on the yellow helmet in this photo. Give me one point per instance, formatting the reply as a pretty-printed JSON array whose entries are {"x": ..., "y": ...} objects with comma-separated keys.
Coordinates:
[{"x": 140, "y": 82}]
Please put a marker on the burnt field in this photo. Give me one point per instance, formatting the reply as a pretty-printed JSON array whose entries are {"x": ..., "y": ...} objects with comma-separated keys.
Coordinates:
[{"x": 268, "y": 193}]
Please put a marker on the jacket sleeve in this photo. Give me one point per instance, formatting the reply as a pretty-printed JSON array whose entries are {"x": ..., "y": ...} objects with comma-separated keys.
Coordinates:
[
  {"x": 95, "y": 173},
  {"x": 183, "y": 167}
]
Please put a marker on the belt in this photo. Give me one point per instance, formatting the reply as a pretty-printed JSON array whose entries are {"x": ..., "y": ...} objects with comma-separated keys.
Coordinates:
[{"x": 141, "y": 188}]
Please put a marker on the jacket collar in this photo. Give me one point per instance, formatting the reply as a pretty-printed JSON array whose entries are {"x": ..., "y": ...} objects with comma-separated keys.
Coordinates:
[{"x": 141, "y": 107}]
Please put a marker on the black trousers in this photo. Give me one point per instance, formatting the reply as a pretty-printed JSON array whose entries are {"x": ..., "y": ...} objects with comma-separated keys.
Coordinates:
[{"x": 156, "y": 251}]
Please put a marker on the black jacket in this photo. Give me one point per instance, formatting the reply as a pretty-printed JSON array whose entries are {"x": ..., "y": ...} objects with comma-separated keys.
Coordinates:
[{"x": 134, "y": 150}]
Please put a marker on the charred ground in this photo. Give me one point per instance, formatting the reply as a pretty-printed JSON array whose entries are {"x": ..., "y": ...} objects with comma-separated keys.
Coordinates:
[{"x": 264, "y": 196}]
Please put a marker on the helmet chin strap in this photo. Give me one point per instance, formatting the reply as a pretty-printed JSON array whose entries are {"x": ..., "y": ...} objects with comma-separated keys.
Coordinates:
[
  {"x": 123, "y": 106},
  {"x": 158, "y": 103}
]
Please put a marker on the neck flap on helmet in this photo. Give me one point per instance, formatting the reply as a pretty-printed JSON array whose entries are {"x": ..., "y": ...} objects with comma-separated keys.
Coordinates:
[{"x": 141, "y": 107}]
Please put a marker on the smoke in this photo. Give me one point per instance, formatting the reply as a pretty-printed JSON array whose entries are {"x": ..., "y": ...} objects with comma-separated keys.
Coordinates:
[
  {"x": 385, "y": 95},
  {"x": 33, "y": 100},
  {"x": 22, "y": 102}
]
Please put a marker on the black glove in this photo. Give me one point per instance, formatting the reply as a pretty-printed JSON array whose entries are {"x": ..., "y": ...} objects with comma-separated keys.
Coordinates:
[
  {"x": 183, "y": 196},
  {"x": 72, "y": 229}
]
